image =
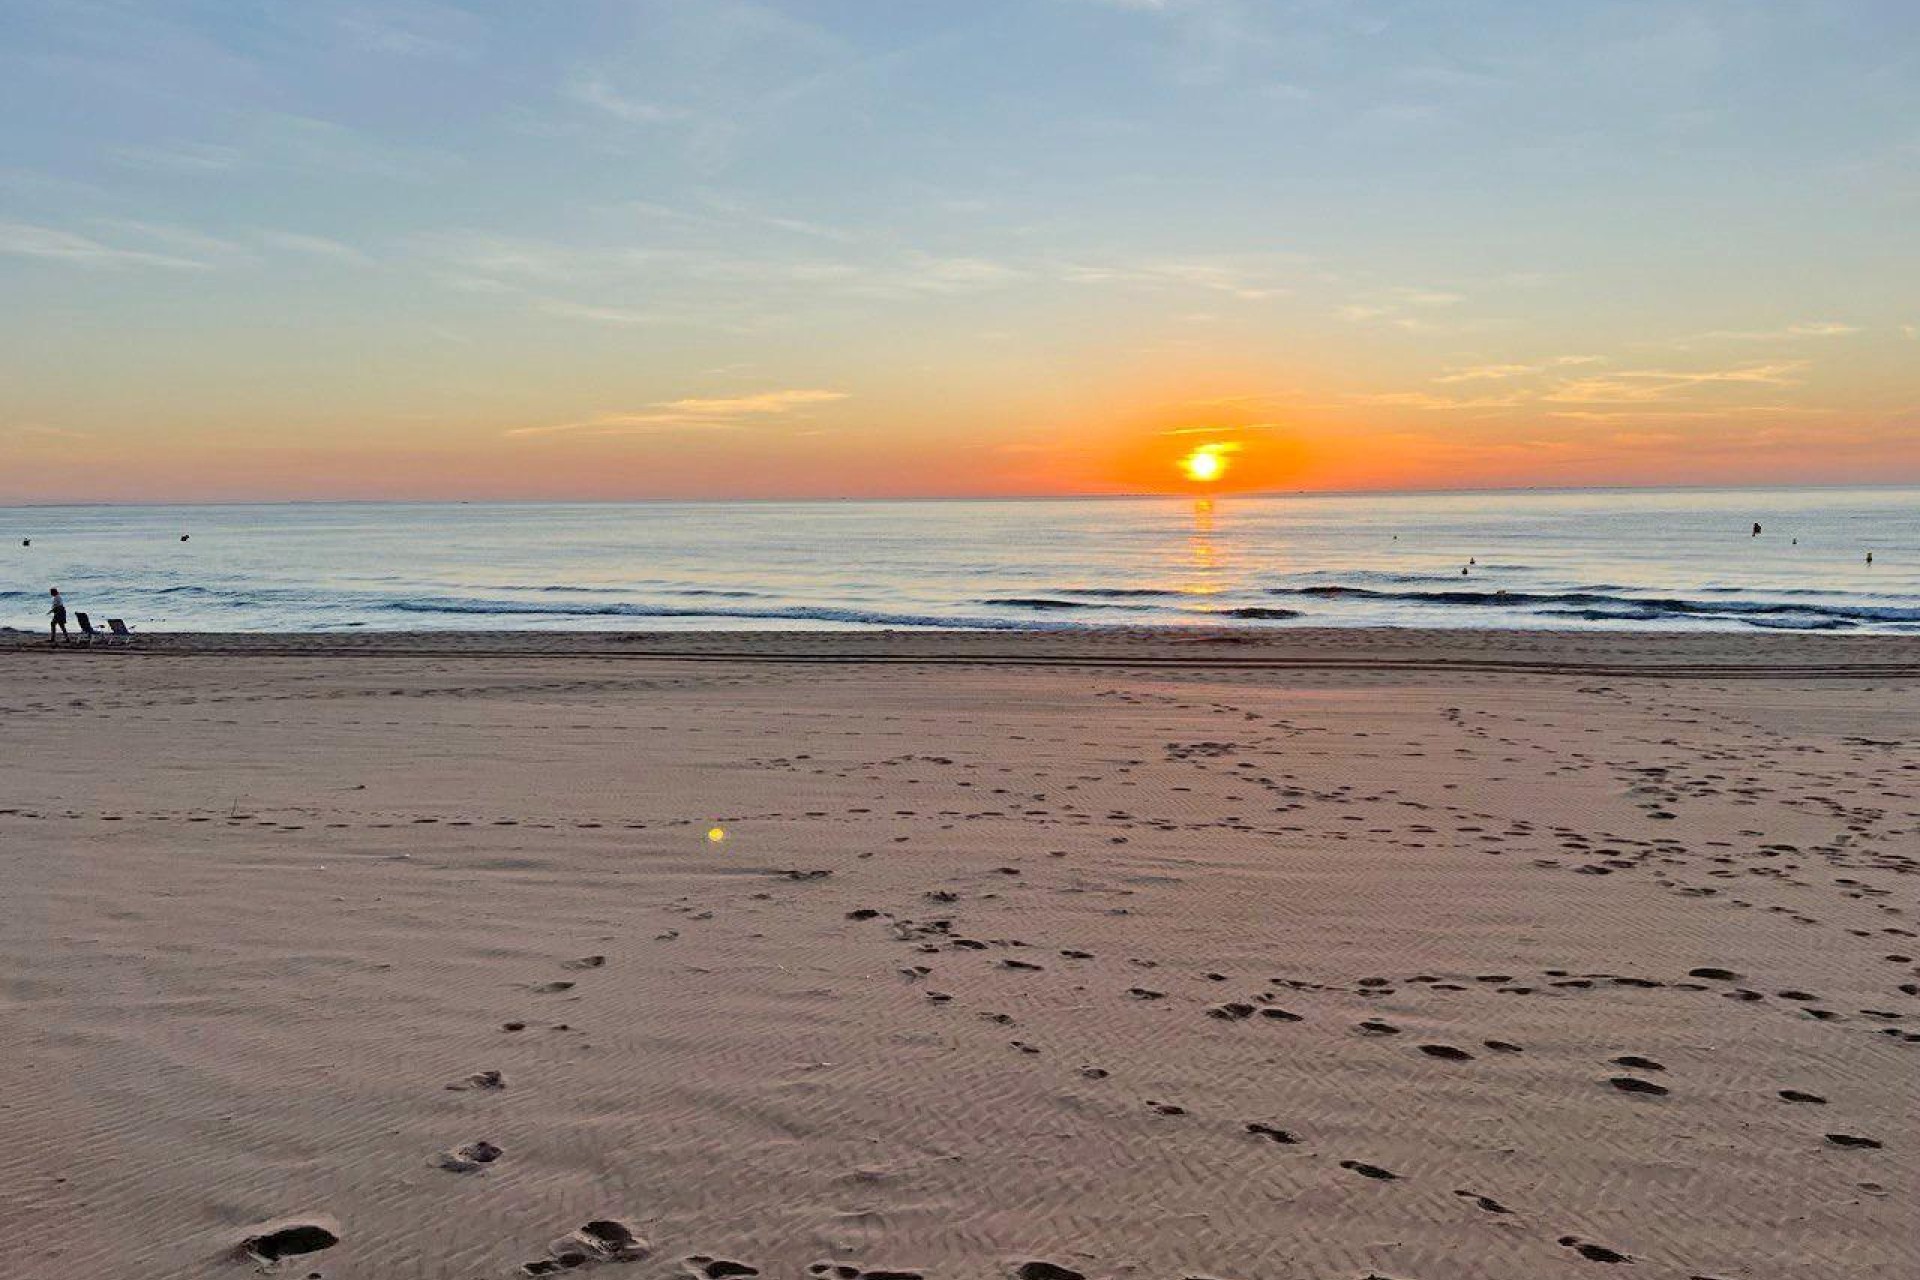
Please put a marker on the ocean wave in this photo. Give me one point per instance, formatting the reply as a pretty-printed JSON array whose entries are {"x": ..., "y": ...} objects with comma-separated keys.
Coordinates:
[
  {"x": 1253, "y": 611},
  {"x": 1602, "y": 606},
  {"x": 1040, "y": 602},
  {"x": 1343, "y": 576},
  {"x": 1117, "y": 593},
  {"x": 793, "y": 613}
]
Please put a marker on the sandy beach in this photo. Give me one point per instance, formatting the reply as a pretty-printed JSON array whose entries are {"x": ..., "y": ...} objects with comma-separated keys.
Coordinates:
[{"x": 1314, "y": 954}]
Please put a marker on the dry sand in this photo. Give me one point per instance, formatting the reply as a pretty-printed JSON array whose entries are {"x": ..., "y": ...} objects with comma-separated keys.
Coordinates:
[{"x": 1320, "y": 955}]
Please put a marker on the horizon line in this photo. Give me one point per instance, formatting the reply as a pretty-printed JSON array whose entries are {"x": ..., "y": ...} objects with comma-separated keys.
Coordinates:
[{"x": 963, "y": 497}]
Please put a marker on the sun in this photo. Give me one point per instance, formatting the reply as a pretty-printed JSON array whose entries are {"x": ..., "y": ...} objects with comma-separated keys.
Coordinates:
[{"x": 1206, "y": 463}]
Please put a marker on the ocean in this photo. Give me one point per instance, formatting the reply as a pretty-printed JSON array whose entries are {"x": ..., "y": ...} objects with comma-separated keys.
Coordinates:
[{"x": 1587, "y": 559}]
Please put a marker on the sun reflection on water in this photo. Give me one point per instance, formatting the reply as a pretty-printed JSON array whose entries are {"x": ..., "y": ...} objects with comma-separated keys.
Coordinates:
[{"x": 1206, "y": 560}]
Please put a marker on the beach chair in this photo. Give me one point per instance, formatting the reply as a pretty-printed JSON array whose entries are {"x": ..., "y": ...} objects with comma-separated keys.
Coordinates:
[
  {"x": 121, "y": 632},
  {"x": 87, "y": 633}
]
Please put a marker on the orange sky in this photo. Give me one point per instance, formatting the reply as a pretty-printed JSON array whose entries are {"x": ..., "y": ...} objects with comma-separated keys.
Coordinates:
[{"x": 764, "y": 249}]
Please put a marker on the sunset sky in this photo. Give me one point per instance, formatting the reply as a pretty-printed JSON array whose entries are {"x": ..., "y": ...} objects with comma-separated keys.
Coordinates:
[{"x": 709, "y": 249}]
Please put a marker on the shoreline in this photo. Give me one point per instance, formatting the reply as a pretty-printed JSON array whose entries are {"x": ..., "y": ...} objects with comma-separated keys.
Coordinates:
[{"x": 1644, "y": 654}]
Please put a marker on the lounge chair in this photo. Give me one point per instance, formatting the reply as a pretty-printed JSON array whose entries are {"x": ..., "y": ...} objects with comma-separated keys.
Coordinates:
[
  {"x": 88, "y": 634},
  {"x": 121, "y": 631}
]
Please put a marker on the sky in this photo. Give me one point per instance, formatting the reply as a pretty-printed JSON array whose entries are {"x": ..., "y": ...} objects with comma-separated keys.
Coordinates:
[{"x": 615, "y": 249}]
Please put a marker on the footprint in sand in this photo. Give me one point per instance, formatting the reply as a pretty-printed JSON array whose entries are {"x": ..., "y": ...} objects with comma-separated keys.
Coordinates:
[
  {"x": 584, "y": 962},
  {"x": 1175, "y": 1109},
  {"x": 1855, "y": 1141},
  {"x": 1271, "y": 1133},
  {"x": 1800, "y": 1095},
  {"x": 1046, "y": 1271},
  {"x": 1637, "y": 1063},
  {"x": 1487, "y": 1203},
  {"x": 1446, "y": 1053},
  {"x": 480, "y": 1080},
  {"x": 601, "y": 1240},
  {"x": 1632, "y": 1084},
  {"x": 289, "y": 1240},
  {"x": 718, "y": 1268},
  {"x": 1593, "y": 1252},
  {"x": 1233, "y": 1011},
  {"x": 847, "y": 1271},
  {"x": 470, "y": 1158},
  {"x": 1373, "y": 1171}
]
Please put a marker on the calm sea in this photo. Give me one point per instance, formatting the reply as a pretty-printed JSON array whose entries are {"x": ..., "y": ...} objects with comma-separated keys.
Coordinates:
[{"x": 1586, "y": 559}]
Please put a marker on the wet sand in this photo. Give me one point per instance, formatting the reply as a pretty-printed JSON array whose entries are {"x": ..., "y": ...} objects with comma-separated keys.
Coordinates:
[{"x": 1312, "y": 954}]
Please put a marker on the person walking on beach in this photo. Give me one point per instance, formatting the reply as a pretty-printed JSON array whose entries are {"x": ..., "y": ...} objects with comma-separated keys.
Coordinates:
[{"x": 57, "y": 615}]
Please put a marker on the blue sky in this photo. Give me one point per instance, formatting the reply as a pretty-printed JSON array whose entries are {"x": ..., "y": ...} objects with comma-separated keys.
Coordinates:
[{"x": 706, "y": 246}]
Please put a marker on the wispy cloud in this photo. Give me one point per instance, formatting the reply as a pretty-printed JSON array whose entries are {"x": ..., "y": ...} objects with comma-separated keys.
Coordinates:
[
  {"x": 567, "y": 310},
  {"x": 178, "y": 157},
  {"x": 53, "y": 244},
  {"x": 724, "y": 210},
  {"x": 1400, "y": 307},
  {"x": 1628, "y": 394},
  {"x": 1682, "y": 414},
  {"x": 1806, "y": 329},
  {"x": 41, "y": 432},
  {"x": 314, "y": 246},
  {"x": 1487, "y": 372},
  {"x": 1427, "y": 400},
  {"x": 1490, "y": 372},
  {"x": 1644, "y": 385},
  {"x": 759, "y": 402},
  {"x": 186, "y": 241},
  {"x": 665, "y": 279},
  {"x": 436, "y": 32},
  {"x": 697, "y": 413},
  {"x": 1233, "y": 279},
  {"x": 272, "y": 140},
  {"x": 604, "y": 97}
]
